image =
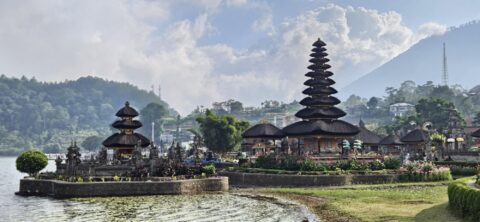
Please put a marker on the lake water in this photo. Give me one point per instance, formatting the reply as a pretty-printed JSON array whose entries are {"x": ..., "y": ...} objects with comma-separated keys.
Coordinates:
[{"x": 212, "y": 207}]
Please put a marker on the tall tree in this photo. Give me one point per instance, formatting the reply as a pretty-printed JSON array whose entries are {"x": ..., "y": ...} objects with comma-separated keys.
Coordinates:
[
  {"x": 153, "y": 112},
  {"x": 92, "y": 143},
  {"x": 221, "y": 133},
  {"x": 476, "y": 119},
  {"x": 437, "y": 111},
  {"x": 372, "y": 103}
]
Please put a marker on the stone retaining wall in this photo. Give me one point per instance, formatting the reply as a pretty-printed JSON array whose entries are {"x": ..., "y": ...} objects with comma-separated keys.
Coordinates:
[
  {"x": 284, "y": 180},
  {"x": 62, "y": 189}
]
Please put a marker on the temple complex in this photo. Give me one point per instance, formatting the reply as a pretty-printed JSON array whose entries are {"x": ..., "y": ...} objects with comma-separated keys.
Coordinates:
[
  {"x": 124, "y": 143},
  {"x": 320, "y": 131}
]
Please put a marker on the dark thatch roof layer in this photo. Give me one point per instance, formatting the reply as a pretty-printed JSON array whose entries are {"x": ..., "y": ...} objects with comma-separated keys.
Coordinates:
[
  {"x": 263, "y": 130},
  {"x": 391, "y": 140},
  {"x": 319, "y": 60},
  {"x": 126, "y": 140},
  {"x": 319, "y": 82},
  {"x": 324, "y": 100},
  {"x": 319, "y": 91},
  {"x": 126, "y": 124},
  {"x": 322, "y": 113},
  {"x": 319, "y": 66},
  {"x": 318, "y": 54},
  {"x": 476, "y": 134},
  {"x": 321, "y": 127},
  {"x": 319, "y": 43},
  {"x": 416, "y": 136},
  {"x": 324, "y": 74},
  {"x": 127, "y": 111},
  {"x": 367, "y": 136}
]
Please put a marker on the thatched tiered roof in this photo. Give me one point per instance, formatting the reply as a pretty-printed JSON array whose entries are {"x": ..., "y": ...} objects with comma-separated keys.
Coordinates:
[
  {"x": 320, "y": 116},
  {"x": 127, "y": 137}
]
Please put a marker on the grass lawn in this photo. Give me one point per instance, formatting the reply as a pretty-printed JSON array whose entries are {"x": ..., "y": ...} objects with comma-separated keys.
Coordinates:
[{"x": 387, "y": 202}]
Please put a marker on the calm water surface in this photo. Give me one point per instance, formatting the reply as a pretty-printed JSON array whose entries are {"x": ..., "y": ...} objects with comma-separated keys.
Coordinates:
[{"x": 214, "y": 207}]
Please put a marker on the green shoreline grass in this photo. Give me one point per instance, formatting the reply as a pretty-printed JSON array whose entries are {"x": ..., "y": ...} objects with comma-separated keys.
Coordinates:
[{"x": 422, "y": 202}]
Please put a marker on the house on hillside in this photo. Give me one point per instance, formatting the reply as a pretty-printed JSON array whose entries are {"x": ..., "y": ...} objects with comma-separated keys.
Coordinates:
[{"x": 401, "y": 109}]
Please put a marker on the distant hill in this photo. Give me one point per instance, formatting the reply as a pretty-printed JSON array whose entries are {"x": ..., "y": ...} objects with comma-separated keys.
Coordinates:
[
  {"x": 35, "y": 114},
  {"x": 423, "y": 62}
]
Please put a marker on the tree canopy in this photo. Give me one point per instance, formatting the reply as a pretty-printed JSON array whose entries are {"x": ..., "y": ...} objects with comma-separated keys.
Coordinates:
[
  {"x": 221, "y": 133},
  {"x": 31, "y": 162},
  {"x": 92, "y": 143},
  {"x": 153, "y": 112}
]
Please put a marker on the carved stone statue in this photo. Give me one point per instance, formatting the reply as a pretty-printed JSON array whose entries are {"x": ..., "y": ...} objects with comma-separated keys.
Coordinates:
[
  {"x": 153, "y": 152},
  {"x": 102, "y": 156},
  {"x": 73, "y": 159},
  {"x": 137, "y": 154},
  {"x": 58, "y": 161}
]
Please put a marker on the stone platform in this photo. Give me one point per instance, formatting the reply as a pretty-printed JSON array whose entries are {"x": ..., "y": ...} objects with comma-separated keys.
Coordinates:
[
  {"x": 62, "y": 189},
  {"x": 239, "y": 179}
]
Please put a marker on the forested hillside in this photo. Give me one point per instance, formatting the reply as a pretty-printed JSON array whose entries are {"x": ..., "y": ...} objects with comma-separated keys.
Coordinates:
[{"x": 38, "y": 114}]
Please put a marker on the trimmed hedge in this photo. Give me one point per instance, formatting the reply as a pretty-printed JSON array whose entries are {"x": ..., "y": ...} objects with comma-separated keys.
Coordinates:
[
  {"x": 464, "y": 200},
  {"x": 326, "y": 172},
  {"x": 457, "y": 163},
  {"x": 463, "y": 170},
  {"x": 424, "y": 177}
]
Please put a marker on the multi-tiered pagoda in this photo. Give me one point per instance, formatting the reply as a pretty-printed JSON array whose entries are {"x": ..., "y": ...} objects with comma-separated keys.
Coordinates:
[
  {"x": 124, "y": 143},
  {"x": 320, "y": 130}
]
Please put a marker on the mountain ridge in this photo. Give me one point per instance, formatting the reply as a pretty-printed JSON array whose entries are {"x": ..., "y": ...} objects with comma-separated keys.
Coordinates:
[{"x": 423, "y": 62}]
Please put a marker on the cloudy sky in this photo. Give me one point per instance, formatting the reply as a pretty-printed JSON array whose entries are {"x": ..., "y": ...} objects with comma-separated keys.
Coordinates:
[{"x": 211, "y": 50}]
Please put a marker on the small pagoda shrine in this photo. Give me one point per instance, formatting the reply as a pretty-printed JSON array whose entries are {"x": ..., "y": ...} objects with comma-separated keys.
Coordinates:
[
  {"x": 320, "y": 130},
  {"x": 124, "y": 143}
]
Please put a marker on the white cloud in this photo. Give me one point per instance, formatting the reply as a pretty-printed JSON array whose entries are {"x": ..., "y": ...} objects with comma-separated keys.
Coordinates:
[{"x": 139, "y": 42}]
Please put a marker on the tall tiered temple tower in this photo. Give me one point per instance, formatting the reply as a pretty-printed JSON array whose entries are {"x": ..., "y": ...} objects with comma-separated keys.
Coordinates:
[
  {"x": 124, "y": 143},
  {"x": 320, "y": 130}
]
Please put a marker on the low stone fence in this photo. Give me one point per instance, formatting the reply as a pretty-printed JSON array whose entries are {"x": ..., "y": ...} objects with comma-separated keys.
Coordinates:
[
  {"x": 284, "y": 180},
  {"x": 62, "y": 189}
]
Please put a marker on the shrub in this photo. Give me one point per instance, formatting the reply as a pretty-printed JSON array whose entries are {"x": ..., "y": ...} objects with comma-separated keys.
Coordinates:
[
  {"x": 31, "y": 162},
  {"x": 355, "y": 165},
  {"x": 463, "y": 171},
  {"x": 377, "y": 165},
  {"x": 392, "y": 163},
  {"x": 343, "y": 165},
  {"x": 464, "y": 200},
  {"x": 289, "y": 164},
  {"x": 209, "y": 169},
  {"x": 267, "y": 162},
  {"x": 427, "y": 168},
  {"x": 412, "y": 167},
  {"x": 116, "y": 178},
  {"x": 308, "y": 165},
  {"x": 350, "y": 165}
]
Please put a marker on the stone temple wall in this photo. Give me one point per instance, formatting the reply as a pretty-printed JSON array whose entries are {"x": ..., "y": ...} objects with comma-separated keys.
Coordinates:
[
  {"x": 278, "y": 180},
  {"x": 62, "y": 189}
]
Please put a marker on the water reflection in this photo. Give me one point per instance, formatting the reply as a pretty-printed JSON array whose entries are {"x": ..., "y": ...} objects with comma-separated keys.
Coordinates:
[{"x": 213, "y": 207}]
